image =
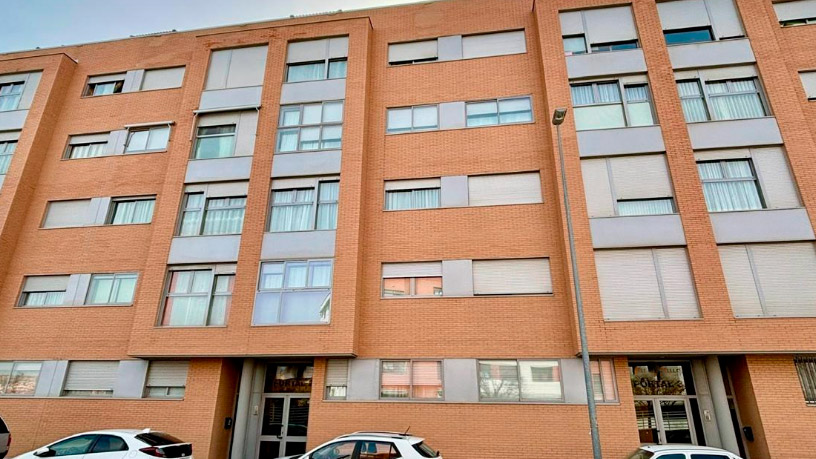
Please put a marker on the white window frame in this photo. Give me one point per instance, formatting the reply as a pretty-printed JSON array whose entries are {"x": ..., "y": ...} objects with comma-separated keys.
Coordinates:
[
  {"x": 624, "y": 101},
  {"x": 18, "y": 95},
  {"x": 118, "y": 200},
  {"x": 706, "y": 97},
  {"x": 114, "y": 288},
  {"x": 202, "y": 213},
  {"x": 150, "y": 130},
  {"x": 521, "y": 398},
  {"x": 411, "y": 397},
  {"x": 117, "y": 81},
  {"x": 284, "y": 289},
  {"x": 300, "y": 126},
  {"x": 316, "y": 202},
  {"x": 199, "y": 136},
  {"x": 7, "y": 149},
  {"x": 388, "y": 131},
  {"x": 14, "y": 364},
  {"x": 499, "y": 112},
  {"x": 211, "y": 294}
]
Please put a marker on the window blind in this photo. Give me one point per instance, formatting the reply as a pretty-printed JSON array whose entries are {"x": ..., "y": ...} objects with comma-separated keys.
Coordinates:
[
  {"x": 801, "y": 9},
  {"x": 167, "y": 373},
  {"x": 45, "y": 283},
  {"x": 638, "y": 177},
  {"x": 494, "y": 44},
  {"x": 418, "y": 269},
  {"x": 508, "y": 277},
  {"x": 491, "y": 190},
  {"x": 162, "y": 78},
  {"x": 606, "y": 25},
  {"x": 417, "y": 50},
  {"x": 91, "y": 375},
  {"x": 66, "y": 213}
]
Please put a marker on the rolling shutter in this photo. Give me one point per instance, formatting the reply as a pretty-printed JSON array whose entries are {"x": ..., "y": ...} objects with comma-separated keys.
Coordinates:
[
  {"x": 775, "y": 178},
  {"x": 802, "y": 9},
  {"x": 607, "y": 25},
  {"x": 46, "y": 283},
  {"x": 739, "y": 278},
  {"x": 572, "y": 23},
  {"x": 167, "y": 373},
  {"x": 89, "y": 138},
  {"x": 787, "y": 278},
  {"x": 417, "y": 184},
  {"x": 106, "y": 78},
  {"x": 492, "y": 190},
  {"x": 162, "y": 78},
  {"x": 726, "y": 20},
  {"x": 66, "y": 213},
  {"x": 337, "y": 371},
  {"x": 683, "y": 14},
  {"x": 596, "y": 187},
  {"x": 809, "y": 83},
  {"x": 91, "y": 375},
  {"x": 508, "y": 277},
  {"x": 639, "y": 177},
  {"x": 418, "y": 269},
  {"x": 628, "y": 283},
  {"x": 677, "y": 283},
  {"x": 494, "y": 44},
  {"x": 236, "y": 68},
  {"x": 408, "y": 52}
]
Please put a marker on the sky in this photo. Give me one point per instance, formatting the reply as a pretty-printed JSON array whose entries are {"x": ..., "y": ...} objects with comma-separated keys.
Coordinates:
[{"x": 28, "y": 24}]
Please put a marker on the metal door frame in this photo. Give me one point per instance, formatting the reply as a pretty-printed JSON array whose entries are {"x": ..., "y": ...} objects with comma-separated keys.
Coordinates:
[
  {"x": 284, "y": 436},
  {"x": 658, "y": 414}
]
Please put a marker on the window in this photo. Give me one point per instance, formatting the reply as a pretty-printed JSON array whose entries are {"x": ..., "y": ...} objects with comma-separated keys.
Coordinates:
[
  {"x": 806, "y": 367},
  {"x": 166, "y": 379},
  {"x": 19, "y": 378},
  {"x": 131, "y": 211},
  {"x": 575, "y": 44},
  {"x": 808, "y": 83},
  {"x": 616, "y": 46},
  {"x": 411, "y": 379},
  {"x": 162, "y": 78},
  {"x": 685, "y": 36},
  {"x": 600, "y": 29},
  {"x": 336, "y": 450},
  {"x": 236, "y": 68},
  {"x": 412, "y": 194},
  {"x": 94, "y": 378},
  {"x": 63, "y": 214},
  {"x": 798, "y": 22},
  {"x": 627, "y": 186},
  {"x": 600, "y": 106},
  {"x": 733, "y": 99},
  {"x": 500, "y": 111},
  {"x": 108, "y": 443},
  {"x": 109, "y": 289},
  {"x": 795, "y": 13},
  {"x": 44, "y": 291},
  {"x": 147, "y": 139},
  {"x": 520, "y": 380},
  {"x": 10, "y": 94},
  {"x": 420, "y": 279},
  {"x": 215, "y": 141},
  {"x": 603, "y": 380},
  {"x": 319, "y": 70},
  {"x": 104, "y": 85},
  {"x": 310, "y": 127},
  {"x": 522, "y": 276},
  {"x": 413, "y": 119},
  {"x": 337, "y": 373},
  {"x": 730, "y": 185},
  {"x": 198, "y": 297},
  {"x": 424, "y": 450},
  {"x": 298, "y": 210},
  {"x": 494, "y": 44},
  {"x": 413, "y": 52},
  {"x": 79, "y": 445},
  {"x": 87, "y": 150},
  {"x": 6, "y": 151},
  {"x": 211, "y": 216},
  {"x": 291, "y": 292},
  {"x": 504, "y": 189},
  {"x": 378, "y": 450}
]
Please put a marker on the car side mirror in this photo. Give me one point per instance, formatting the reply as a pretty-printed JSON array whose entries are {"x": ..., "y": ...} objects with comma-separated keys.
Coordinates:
[{"x": 45, "y": 452}]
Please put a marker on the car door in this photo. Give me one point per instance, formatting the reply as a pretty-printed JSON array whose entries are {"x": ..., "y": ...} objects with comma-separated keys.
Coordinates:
[
  {"x": 346, "y": 449},
  {"x": 108, "y": 447},
  {"x": 378, "y": 450},
  {"x": 73, "y": 447}
]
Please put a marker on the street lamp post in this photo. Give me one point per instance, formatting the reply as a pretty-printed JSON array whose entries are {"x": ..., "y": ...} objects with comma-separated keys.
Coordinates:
[{"x": 558, "y": 117}]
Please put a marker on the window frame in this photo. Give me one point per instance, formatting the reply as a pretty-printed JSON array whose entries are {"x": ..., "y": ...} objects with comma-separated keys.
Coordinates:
[
  {"x": 315, "y": 205},
  {"x": 23, "y": 296},
  {"x": 807, "y": 377},
  {"x": 413, "y": 198},
  {"x": 90, "y": 88},
  {"x": 411, "y": 287},
  {"x": 300, "y": 126},
  {"x": 113, "y": 291},
  {"x": 581, "y": 36},
  {"x": 707, "y": 28},
  {"x": 326, "y": 61},
  {"x": 11, "y": 94},
  {"x": 211, "y": 294},
  {"x": 521, "y": 398},
  {"x": 149, "y": 129},
  {"x": 198, "y": 137},
  {"x": 109, "y": 218},
  {"x": 412, "y": 129},
  {"x": 167, "y": 395},
  {"x": 611, "y": 44},
  {"x": 702, "y": 84},
  {"x": 327, "y": 386},
  {"x": 202, "y": 213},
  {"x": 6, "y": 150},
  {"x": 4, "y": 393},
  {"x": 624, "y": 100},
  {"x": 499, "y": 112},
  {"x": 69, "y": 151},
  {"x": 284, "y": 289},
  {"x": 413, "y": 61},
  {"x": 614, "y": 389},
  {"x": 723, "y": 170},
  {"x": 411, "y": 397}
]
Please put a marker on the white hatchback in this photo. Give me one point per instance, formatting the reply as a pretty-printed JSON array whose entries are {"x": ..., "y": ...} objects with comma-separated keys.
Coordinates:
[
  {"x": 115, "y": 444},
  {"x": 681, "y": 452},
  {"x": 372, "y": 445}
]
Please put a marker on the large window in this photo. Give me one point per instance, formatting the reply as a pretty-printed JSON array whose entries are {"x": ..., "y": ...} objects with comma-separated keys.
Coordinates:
[
  {"x": 10, "y": 94},
  {"x": 198, "y": 297},
  {"x": 627, "y": 186},
  {"x": 598, "y": 30},
  {"x": 95, "y": 378},
  {"x": 730, "y": 185},
  {"x": 292, "y": 292},
  {"x": 600, "y": 105},
  {"x": 6, "y": 152},
  {"x": 297, "y": 209},
  {"x": 499, "y": 111},
  {"x": 411, "y": 379},
  {"x": 310, "y": 127},
  {"x": 19, "y": 378},
  {"x": 413, "y": 194},
  {"x": 204, "y": 216},
  {"x": 318, "y": 70},
  {"x": 732, "y": 99},
  {"x": 412, "y": 119},
  {"x": 39, "y": 291},
  {"x": 111, "y": 289},
  {"x": 215, "y": 141},
  {"x": 520, "y": 380},
  {"x": 147, "y": 139},
  {"x": 131, "y": 211},
  {"x": 806, "y": 367}
]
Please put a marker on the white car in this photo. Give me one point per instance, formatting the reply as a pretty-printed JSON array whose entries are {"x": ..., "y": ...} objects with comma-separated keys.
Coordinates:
[
  {"x": 681, "y": 452},
  {"x": 372, "y": 445},
  {"x": 5, "y": 439},
  {"x": 115, "y": 444}
]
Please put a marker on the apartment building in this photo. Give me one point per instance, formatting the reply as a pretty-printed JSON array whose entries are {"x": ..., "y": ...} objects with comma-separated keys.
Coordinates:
[{"x": 258, "y": 237}]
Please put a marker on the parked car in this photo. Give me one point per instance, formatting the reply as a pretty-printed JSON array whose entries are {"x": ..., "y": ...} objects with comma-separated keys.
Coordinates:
[
  {"x": 681, "y": 452},
  {"x": 372, "y": 445},
  {"x": 115, "y": 444},
  {"x": 5, "y": 438}
]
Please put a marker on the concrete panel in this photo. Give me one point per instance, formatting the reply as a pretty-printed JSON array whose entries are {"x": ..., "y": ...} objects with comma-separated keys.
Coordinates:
[
  {"x": 461, "y": 380},
  {"x": 734, "y": 133},
  {"x": 31, "y": 84},
  {"x": 130, "y": 379},
  {"x": 449, "y": 48},
  {"x": 306, "y": 164},
  {"x": 621, "y": 141},
  {"x": 641, "y": 231},
  {"x": 572, "y": 377},
  {"x": 452, "y": 115},
  {"x": 218, "y": 169},
  {"x": 313, "y": 91},
  {"x": 12, "y": 120},
  {"x": 762, "y": 226},
  {"x": 225, "y": 98},
  {"x": 47, "y": 370},
  {"x": 364, "y": 379},
  {"x": 713, "y": 53},
  {"x": 609, "y": 63},
  {"x": 204, "y": 249},
  {"x": 454, "y": 191},
  {"x": 457, "y": 277},
  {"x": 60, "y": 369},
  {"x": 298, "y": 244}
]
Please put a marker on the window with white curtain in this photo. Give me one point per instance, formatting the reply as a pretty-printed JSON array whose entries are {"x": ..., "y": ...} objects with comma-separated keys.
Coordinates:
[
  {"x": 499, "y": 111},
  {"x": 411, "y": 379},
  {"x": 603, "y": 380},
  {"x": 147, "y": 139},
  {"x": 131, "y": 211},
  {"x": 19, "y": 378},
  {"x": 611, "y": 104},
  {"x": 294, "y": 292},
  {"x": 731, "y": 99},
  {"x": 297, "y": 209},
  {"x": 209, "y": 216},
  {"x": 317, "y": 70},
  {"x": 520, "y": 380},
  {"x": 730, "y": 185},
  {"x": 337, "y": 376},
  {"x": 621, "y": 186},
  {"x": 39, "y": 291},
  {"x": 10, "y": 94},
  {"x": 111, "y": 289},
  {"x": 88, "y": 150},
  {"x": 310, "y": 127},
  {"x": 215, "y": 141},
  {"x": 6, "y": 152},
  {"x": 412, "y": 194},
  {"x": 198, "y": 297},
  {"x": 412, "y": 119}
]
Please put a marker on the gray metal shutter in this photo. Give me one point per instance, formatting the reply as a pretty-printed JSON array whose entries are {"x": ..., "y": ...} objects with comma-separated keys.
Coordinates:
[
  {"x": 596, "y": 188},
  {"x": 572, "y": 23},
  {"x": 677, "y": 282},
  {"x": 168, "y": 373},
  {"x": 89, "y": 138},
  {"x": 247, "y": 67},
  {"x": 494, "y": 44},
  {"x": 801, "y": 9},
  {"x": 739, "y": 278},
  {"x": 337, "y": 371},
  {"x": 106, "y": 78},
  {"x": 775, "y": 178},
  {"x": 508, "y": 277},
  {"x": 639, "y": 177},
  {"x": 604, "y": 25},
  {"x": 628, "y": 284},
  {"x": 417, "y": 269},
  {"x": 91, "y": 375},
  {"x": 683, "y": 14},
  {"x": 787, "y": 277},
  {"x": 492, "y": 190},
  {"x": 406, "y": 52},
  {"x": 46, "y": 283},
  {"x": 162, "y": 78},
  {"x": 726, "y": 20},
  {"x": 67, "y": 213}
]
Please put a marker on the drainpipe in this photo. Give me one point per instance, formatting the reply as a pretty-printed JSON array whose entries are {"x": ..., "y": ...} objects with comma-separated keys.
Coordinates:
[
  {"x": 720, "y": 402},
  {"x": 242, "y": 410}
]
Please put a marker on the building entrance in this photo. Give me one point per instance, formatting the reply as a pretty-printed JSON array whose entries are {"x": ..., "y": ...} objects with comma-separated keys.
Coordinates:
[
  {"x": 284, "y": 420},
  {"x": 666, "y": 405}
]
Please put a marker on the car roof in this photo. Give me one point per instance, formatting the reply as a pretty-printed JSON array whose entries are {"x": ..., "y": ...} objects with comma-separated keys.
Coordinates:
[
  {"x": 661, "y": 448},
  {"x": 379, "y": 435}
]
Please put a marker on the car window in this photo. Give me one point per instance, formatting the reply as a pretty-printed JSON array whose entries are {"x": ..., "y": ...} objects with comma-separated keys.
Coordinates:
[
  {"x": 378, "y": 450},
  {"x": 73, "y": 446},
  {"x": 425, "y": 450},
  {"x": 642, "y": 454},
  {"x": 108, "y": 443},
  {"x": 338, "y": 450},
  {"x": 3, "y": 427},
  {"x": 158, "y": 439},
  {"x": 709, "y": 456},
  {"x": 672, "y": 456}
]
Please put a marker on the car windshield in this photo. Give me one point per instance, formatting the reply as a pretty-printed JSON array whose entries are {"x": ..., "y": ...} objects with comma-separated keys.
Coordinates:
[
  {"x": 425, "y": 450},
  {"x": 641, "y": 454},
  {"x": 158, "y": 439},
  {"x": 3, "y": 428}
]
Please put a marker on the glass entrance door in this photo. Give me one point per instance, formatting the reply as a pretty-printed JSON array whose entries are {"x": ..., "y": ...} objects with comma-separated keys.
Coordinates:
[
  {"x": 663, "y": 421},
  {"x": 284, "y": 424}
]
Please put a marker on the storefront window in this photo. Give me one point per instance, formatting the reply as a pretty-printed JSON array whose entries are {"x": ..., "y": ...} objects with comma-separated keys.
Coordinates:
[{"x": 289, "y": 378}]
